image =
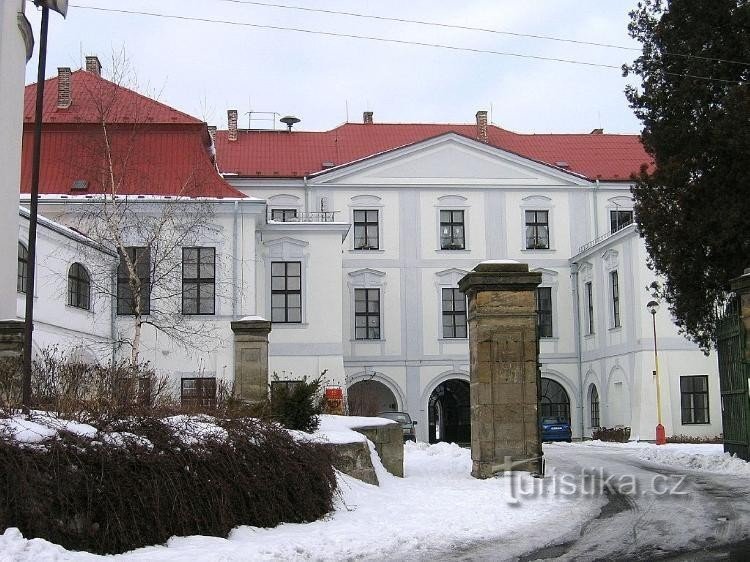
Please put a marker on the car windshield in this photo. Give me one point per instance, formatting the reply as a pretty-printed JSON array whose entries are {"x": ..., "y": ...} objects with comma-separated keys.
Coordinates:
[
  {"x": 553, "y": 420},
  {"x": 400, "y": 417}
]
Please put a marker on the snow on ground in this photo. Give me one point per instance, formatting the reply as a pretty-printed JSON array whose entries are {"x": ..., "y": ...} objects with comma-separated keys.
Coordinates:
[
  {"x": 709, "y": 457},
  {"x": 437, "y": 507}
]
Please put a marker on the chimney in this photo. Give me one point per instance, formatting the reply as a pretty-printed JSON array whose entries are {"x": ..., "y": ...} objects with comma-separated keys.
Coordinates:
[
  {"x": 64, "y": 98},
  {"x": 212, "y": 133},
  {"x": 597, "y": 132},
  {"x": 482, "y": 126},
  {"x": 93, "y": 65},
  {"x": 232, "y": 124},
  {"x": 367, "y": 118}
]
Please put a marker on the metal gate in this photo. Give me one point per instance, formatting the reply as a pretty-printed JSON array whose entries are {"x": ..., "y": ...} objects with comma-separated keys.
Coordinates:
[{"x": 734, "y": 373}]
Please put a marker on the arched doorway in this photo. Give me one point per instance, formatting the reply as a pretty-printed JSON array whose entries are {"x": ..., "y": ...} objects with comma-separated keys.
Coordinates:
[
  {"x": 449, "y": 412},
  {"x": 555, "y": 401},
  {"x": 368, "y": 397}
]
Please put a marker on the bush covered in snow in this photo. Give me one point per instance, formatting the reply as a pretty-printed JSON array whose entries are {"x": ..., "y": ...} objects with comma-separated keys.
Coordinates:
[
  {"x": 615, "y": 434},
  {"x": 138, "y": 481}
]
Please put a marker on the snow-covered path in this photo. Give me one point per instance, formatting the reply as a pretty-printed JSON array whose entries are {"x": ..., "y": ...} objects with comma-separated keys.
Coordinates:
[{"x": 654, "y": 510}]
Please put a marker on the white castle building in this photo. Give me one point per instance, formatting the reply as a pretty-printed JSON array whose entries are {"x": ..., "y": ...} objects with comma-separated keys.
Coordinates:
[{"x": 352, "y": 241}]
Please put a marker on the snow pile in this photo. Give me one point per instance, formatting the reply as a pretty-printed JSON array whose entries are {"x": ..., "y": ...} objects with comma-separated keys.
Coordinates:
[
  {"x": 710, "y": 458},
  {"x": 42, "y": 426},
  {"x": 192, "y": 430},
  {"x": 340, "y": 429},
  {"x": 437, "y": 508}
]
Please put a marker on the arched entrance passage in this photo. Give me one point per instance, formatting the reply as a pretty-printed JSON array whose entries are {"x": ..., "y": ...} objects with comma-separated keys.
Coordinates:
[
  {"x": 555, "y": 401},
  {"x": 449, "y": 412},
  {"x": 368, "y": 397}
]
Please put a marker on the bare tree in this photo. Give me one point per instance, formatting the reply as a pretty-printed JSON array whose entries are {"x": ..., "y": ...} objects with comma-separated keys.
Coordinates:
[{"x": 121, "y": 153}]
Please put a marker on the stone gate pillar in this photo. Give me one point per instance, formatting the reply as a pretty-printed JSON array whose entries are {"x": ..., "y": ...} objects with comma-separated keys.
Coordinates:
[
  {"x": 251, "y": 358},
  {"x": 503, "y": 352}
]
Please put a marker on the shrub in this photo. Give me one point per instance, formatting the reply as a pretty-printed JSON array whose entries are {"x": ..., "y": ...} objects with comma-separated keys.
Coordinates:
[
  {"x": 297, "y": 404},
  {"x": 109, "y": 497},
  {"x": 614, "y": 434},
  {"x": 697, "y": 440}
]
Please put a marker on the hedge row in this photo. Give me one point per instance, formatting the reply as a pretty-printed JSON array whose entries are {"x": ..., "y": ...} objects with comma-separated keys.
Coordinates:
[{"x": 105, "y": 497}]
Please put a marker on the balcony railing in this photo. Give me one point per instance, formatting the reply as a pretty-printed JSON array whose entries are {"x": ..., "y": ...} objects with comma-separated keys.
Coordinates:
[
  {"x": 314, "y": 216},
  {"x": 603, "y": 237}
]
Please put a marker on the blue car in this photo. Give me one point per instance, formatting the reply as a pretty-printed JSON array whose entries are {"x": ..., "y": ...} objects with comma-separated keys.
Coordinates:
[{"x": 555, "y": 429}]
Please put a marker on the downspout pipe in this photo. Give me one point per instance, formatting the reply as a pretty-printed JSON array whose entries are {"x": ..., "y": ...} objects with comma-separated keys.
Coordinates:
[
  {"x": 596, "y": 209},
  {"x": 307, "y": 195},
  {"x": 235, "y": 261},
  {"x": 577, "y": 332}
]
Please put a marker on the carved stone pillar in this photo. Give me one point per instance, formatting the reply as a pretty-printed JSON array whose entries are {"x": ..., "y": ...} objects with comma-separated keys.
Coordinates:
[
  {"x": 505, "y": 380},
  {"x": 251, "y": 358},
  {"x": 11, "y": 338}
]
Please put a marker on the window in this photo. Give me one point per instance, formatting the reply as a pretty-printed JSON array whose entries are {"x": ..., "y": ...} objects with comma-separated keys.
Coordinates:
[
  {"x": 198, "y": 280},
  {"x": 615, "y": 299},
  {"x": 694, "y": 393},
  {"x": 22, "y": 282},
  {"x": 284, "y": 215},
  {"x": 537, "y": 230},
  {"x": 286, "y": 292},
  {"x": 452, "y": 230},
  {"x": 366, "y": 230},
  {"x": 454, "y": 313},
  {"x": 590, "y": 307},
  {"x": 619, "y": 219},
  {"x": 198, "y": 392},
  {"x": 284, "y": 388},
  {"x": 79, "y": 287},
  {"x": 126, "y": 301},
  {"x": 594, "y": 406},
  {"x": 544, "y": 311},
  {"x": 367, "y": 314}
]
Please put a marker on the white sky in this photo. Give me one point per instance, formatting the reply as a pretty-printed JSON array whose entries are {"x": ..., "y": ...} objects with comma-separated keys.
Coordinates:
[{"x": 206, "y": 68}]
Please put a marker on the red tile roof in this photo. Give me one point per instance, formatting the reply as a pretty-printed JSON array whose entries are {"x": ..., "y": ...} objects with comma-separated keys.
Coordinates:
[
  {"x": 156, "y": 150},
  {"x": 296, "y": 154},
  {"x": 92, "y": 96}
]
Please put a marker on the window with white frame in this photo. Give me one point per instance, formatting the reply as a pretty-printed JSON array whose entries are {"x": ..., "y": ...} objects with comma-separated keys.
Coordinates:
[
  {"x": 367, "y": 314},
  {"x": 619, "y": 219},
  {"x": 454, "y": 313},
  {"x": 22, "y": 280},
  {"x": 694, "y": 399},
  {"x": 198, "y": 280},
  {"x": 544, "y": 311},
  {"x": 537, "y": 229},
  {"x": 286, "y": 292},
  {"x": 615, "y": 292},
  {"x": 79, "y": 287},
  {"x": 366, "y": 229},
  {"x": 452, "y": 230},
  {"x": 589, "y": 292}
]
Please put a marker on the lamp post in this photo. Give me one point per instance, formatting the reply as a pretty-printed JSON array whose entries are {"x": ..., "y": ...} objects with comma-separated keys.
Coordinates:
[
  {"x": 661, "y": 438},
  {"x": 61, "y": 7}
]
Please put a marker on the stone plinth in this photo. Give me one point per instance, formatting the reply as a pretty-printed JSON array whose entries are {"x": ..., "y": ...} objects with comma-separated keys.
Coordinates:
[
  {"x": 741, "y": 286},
  {"x": 505, "y": 380},
  {"x": 251, "y": 358},
  {"x": 11, "y": 338},
  {"x": 389, "y": 443}
]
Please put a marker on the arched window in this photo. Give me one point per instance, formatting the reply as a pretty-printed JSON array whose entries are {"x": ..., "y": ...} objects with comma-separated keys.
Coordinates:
[
  {"x": 555, "y": 401},
  {"x": 22, "y": 281},
  {"x": 79, "y": 287},
  {"x": 594, "y": 404}
]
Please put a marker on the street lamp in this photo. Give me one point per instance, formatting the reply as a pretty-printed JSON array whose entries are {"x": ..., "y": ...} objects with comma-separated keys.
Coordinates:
[
  {"x": 61, "y": 7},
  {"x": 661, "y": 438}
]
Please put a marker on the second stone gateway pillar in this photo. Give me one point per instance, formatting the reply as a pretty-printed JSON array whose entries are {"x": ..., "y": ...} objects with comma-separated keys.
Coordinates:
[{"x": 504, "y": 372}]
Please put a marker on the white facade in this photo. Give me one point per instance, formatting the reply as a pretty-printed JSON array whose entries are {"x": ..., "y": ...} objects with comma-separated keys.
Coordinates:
[
  {"x": 408, "y": 187},
  {"x": 15, "y": 48}
]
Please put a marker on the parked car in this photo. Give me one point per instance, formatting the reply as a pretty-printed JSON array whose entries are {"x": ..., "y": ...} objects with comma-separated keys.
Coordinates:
[
  {"x": 406, "y": 423},
  {"x": 555, "y": 429}
]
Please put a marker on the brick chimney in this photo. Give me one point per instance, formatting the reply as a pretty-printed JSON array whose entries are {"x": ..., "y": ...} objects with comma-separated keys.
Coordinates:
[
  {"x": 232, "y": 124},
  {"x": 367, "y": 118},
  {"x": 212, "y": 133},
  {"x": 93, "y": 65},
  {"x": 482, "y": 126},
  {"x": 64, "y": 98}
]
